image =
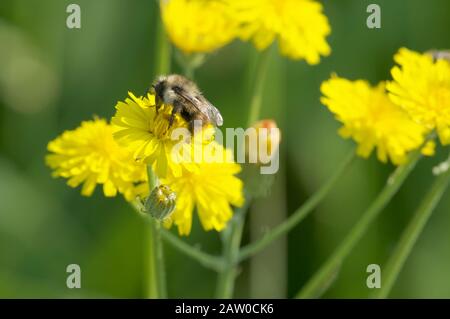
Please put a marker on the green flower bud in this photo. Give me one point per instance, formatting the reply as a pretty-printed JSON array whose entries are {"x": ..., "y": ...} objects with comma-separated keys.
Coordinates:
[{"x": 161, "y": 202}]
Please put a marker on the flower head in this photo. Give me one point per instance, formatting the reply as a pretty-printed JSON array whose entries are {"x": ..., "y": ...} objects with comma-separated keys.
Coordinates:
[
  {"x": 212, "y": 189},
  {"x": 198, "y": 26},
  {"x": 89, "y": 155},
  {"x": 147, "y": 134},
  {"x": 372, "y": 120},
  {"x": 421, "y": 86},
  {"x": 299, "y": 26}
]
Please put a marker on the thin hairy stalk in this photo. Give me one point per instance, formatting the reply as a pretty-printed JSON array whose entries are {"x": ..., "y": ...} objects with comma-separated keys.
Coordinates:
[
  {"x": 300, "y": 214},
  {"x": 205, "y": 259},
  {"x": 326, "y": 274},
  {"x": 258, "y": 86},
  {"x": 155, "y": 263},
  {"x": 154, "y": 251},
  {"x": 190, "y": 62},
  {"x": 411, "y": 234},
  {"x": 233, "y": 234},
  {"x": 231, "y": 243},
  {"x": 163, "y": 54}
]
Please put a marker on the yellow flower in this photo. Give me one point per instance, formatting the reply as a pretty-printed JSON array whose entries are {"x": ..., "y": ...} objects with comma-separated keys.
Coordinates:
[
  {"x": 148, "y": 135},
  {"x": 372, "y": 120},
  {"x": 89, "y": 155},
  {"x": 212, "y": 189},
  {"x": 299, "y": 26},
  {"x": 198, "y": 26},
  {"x": 421, "y": 87}
]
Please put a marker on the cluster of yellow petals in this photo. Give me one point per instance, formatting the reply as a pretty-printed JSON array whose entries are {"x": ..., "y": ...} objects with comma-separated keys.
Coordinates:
[
  {"x": 89, "y": 155},
  {"x": 372, "y": 120},
  {"x": 299, "y": 26},
  {"x": 421, "y": 86},
  {"x": 202, "y": 26},
  {"x": 211, "y": 189},
  {"x": 145, "y": 133},
  {"x": 199, "y": 26},
  {"x": 202, "y": 172}
]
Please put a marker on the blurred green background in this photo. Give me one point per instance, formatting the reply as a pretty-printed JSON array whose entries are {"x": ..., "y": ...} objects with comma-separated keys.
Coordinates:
[{"x": 52, "y": 77}]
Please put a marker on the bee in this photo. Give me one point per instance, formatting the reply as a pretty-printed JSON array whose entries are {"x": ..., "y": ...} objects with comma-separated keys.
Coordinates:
[
  {"x": 440, "y": 55},
  {"x": 186, "y": 99}
]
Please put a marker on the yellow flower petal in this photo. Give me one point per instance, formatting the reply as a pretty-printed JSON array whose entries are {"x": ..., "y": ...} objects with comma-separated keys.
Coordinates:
[
  {"x": 89, "y": 155},
  {"x": 421, "y": 87},
  {"x": 299, "y": 26},
  {"x": 371, "y": 119}
]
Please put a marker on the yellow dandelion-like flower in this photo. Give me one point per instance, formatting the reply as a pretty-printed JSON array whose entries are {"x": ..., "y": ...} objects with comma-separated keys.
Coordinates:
[
  {"x": 198, "y": 26},
  {"x": 372, "y": 120},
  {"x": 147, "y": 134},
  {"x": 211, "y": 189},
  {"x": 89, "y": 155},
  {"x": 299, "y": 26},
  {"x": 421, "y": 87}
]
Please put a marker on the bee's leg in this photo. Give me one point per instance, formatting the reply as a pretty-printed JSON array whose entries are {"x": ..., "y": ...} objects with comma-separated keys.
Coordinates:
[
  {"x": 158, "y": 104},
  {"x": 177, "y": 107}
]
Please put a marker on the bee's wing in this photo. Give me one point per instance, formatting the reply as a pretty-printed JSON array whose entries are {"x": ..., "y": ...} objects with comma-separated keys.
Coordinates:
[
  {"x": 210, "y": 110},
  {"x": 199, "y": 102}
]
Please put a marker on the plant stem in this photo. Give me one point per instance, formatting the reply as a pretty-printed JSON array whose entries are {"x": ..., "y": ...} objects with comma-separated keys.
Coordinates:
[
  {"x": 233, "y": 234},
  {"x": 155, "y": 261},
  {"x": 232, "y": 241},
  {"x": 190, "y": 62},
  {"x": 157, "y": 274},
  {"x": 412, "y": 233},
  {"x": 299, "y": 214},
  {"x": 207, "y": 260},
  {"x": 156, "y": 268},
  {"x": 323, "y": 278},
  {"x": 258, "y": 86},
  {"x": 203, "y": 258},
  {"x": 163, "y": 54}
]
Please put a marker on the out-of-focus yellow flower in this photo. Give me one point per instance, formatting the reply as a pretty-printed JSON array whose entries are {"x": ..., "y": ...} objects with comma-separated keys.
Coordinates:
[
  {"x": 198, "y": 26},
  {"x": 299, "y": 26},
  {"x": 147, "y": 134},
  {"x": 89, "y": 155},
  {"x": 421, "y": 87},
  {"x": 372, "y": 120},
  {"x": 211, "y": 189}
]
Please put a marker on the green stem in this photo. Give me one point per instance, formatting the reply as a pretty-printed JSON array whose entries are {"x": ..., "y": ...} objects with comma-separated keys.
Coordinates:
[
  {"x": 232, "y": 237},
  {"x": 258, "y": 86},
  {"x": 232, "y": 241},
  {"x": 156, "y": 269},
  {"x": 411, "y": 234},
  {"x": 205, "y": 259},
  {"x": 323, "y": 278},
  {"x": 190, "y": 62},
  {"x": 163, "y": 54},
  {"x": 299, "y": 214}
]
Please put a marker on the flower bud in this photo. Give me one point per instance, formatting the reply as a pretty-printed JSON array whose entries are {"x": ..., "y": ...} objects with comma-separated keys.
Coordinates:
[
  {"x": 161, "y": 202},
  {"x": 261, "y": 148},
  {"x": 263, "y": 144}
]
